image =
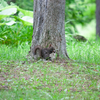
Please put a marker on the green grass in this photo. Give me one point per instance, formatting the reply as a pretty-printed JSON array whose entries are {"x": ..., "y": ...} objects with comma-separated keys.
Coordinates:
[
  {"x": 21, "y": 79},
  {"x": 79, "y": 51},
  {"x": 84, "y": 51},
  {"x": 49, "y": 81},
  {"x": 60, "y": 80},
  {"x": 14, "y": 53}
]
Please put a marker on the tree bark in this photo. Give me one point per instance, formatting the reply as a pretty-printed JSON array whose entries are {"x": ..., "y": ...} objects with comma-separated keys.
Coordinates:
[
  {"x": 48, "y": 25},
  {"x": 11, "y": 1},
  {"x": 98, "y": 18}
]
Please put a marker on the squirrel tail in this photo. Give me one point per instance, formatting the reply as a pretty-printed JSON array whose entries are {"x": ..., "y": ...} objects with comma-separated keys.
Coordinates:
[{"x": 37, "y": 48}]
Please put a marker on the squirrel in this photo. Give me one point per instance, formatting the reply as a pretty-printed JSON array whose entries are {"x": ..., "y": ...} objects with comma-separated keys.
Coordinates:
[{"x": 44, "y": 53}]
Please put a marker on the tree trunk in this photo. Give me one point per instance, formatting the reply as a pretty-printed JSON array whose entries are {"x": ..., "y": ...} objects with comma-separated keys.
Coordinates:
[
  {"x": 98, "y": 18},
  {"x": 49, "y": 18},
  {"x": 11, "y": 1}
]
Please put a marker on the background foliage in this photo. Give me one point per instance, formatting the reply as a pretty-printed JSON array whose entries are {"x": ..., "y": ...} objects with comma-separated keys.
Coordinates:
[
  {"x": 77, "y": 12},
  {"x": 28, "y": 5},
  {"x": 16, "y": 24}
]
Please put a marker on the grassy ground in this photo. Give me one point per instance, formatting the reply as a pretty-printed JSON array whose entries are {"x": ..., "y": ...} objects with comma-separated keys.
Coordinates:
[
  {"x": 85, "y": 52},
  {"x": 44, "y": 80}
]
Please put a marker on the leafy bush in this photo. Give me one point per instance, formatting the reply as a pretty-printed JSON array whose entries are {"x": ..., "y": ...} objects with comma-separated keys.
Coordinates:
[
  {"x": 24, "y": 4},
  {"x": 11, "y": 14},
  {"x": 15, "y": 24},
  {"x": 15, "y": 34},
  {"x": 78, "y": 12}
]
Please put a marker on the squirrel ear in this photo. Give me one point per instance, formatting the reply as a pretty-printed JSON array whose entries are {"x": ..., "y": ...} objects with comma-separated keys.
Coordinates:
[{"x": 50, "y": 45}]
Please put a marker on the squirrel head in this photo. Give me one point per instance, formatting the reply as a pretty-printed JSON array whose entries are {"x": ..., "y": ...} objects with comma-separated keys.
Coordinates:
[{"x": 45, "y": 53}]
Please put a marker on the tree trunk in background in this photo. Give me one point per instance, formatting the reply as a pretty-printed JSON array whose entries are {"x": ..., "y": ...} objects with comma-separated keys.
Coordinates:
[
  {"x": 11, "y": 1},
  {"x": 98, "y": 18},
  {"x": 49, "y": 18}
]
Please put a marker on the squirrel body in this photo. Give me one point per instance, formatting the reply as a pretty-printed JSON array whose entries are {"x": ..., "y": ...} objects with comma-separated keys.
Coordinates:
[{"x": 44, "y": 53}]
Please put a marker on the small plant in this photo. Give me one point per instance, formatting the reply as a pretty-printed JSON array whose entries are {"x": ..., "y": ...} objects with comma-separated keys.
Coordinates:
[
  {"x": 11, "y": 14},
  {"x": 15, "y": 34},
  {"x": 16, "y": 24}
]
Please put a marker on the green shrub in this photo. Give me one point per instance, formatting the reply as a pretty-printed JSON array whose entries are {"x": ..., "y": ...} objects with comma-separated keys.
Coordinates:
[{"x": 15, "y": 34}]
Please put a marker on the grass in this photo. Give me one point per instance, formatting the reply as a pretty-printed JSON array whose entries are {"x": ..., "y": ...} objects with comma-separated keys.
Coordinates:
[
  {"x": 84, "y": 51},
  {"x": 44, "y": 80},
  {"x": 14, "y": 53},
  {"x": 59, "y": 80},
  {"x": 49, "y": 81}
]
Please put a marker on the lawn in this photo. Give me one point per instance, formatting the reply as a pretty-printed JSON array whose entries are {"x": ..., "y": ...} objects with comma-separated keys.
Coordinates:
[
  {"x": 74, "y": 79},
  {"x": 22, "y": 79}
]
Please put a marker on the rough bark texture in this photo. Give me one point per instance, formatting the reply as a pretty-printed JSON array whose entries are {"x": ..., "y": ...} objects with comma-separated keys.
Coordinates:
[
  {"x": 98, "y": 18},
  {"x": 49, "y": 18}
]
